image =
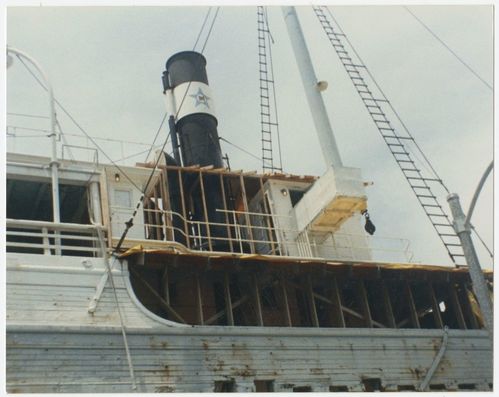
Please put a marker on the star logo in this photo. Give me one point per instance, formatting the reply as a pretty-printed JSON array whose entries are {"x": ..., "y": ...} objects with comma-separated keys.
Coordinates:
[{"x": 201, "y": 98}]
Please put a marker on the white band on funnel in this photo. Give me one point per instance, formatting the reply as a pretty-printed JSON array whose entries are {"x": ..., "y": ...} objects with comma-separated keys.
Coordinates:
[{"x": 198, "y": 99}]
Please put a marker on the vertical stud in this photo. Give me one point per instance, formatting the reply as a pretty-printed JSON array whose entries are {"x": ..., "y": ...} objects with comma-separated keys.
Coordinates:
[
  {"x": 228, "y": 301},
  {"x": 311, "y": 301},
  {"x": 364, "y": 303},
  {"x": 337, "y": 314},
  {"x": 435, "y": 307},
  {"x": 258, "y": 305},
  {"x": 390, "y": 318}
]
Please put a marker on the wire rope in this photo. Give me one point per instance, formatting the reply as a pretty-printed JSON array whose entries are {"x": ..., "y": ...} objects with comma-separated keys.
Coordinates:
[{"x": 449, "y": 49}]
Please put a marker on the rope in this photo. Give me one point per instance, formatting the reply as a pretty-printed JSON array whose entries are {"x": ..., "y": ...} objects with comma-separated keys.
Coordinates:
[{"x": 449, "y": 49}]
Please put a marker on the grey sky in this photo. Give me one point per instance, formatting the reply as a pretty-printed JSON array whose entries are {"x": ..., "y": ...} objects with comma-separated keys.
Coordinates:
[{"x": 105, "y": 64}]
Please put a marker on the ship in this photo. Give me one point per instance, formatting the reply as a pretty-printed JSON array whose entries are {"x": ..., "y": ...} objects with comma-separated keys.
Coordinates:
[{"x": 181, "y": 274}]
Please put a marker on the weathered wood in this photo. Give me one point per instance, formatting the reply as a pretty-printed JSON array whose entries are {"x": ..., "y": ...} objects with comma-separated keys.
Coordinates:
[
  {"x": 468, "y": 308},
  {"x": 228, "y": 300},
  {"x": 246, "y": 216},
  {"x": 258, "y": 305},
  {"x": 227, "y": 222},
  {"x": 412, "y": 306},
  {"x": 199, "y": 299},
  {"x": 157, "y": 219},
  {"x": 267, "y": 218},
  {"x": 456, "y": 306},
  {"x": 435, "y": 307},
  {"x": 284, "y": 291},
  {"x": 167, "y": 206},
  {"x": 337, "y": 313},
  {"x": 205, "y": 211},
  {"x": 165, "y": 282},
  {"x": 184, "y": 212},
  {"x": 364, "y": 302},
  {"x": 311, "y": 303},
  {"x": 222, "y": 312},
  {"x": 161, "y": 301},
  {"x": 387, "y": 305}
]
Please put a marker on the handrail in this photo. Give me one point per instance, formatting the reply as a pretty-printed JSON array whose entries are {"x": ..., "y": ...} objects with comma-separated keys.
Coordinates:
[{"x": 303, "y": 246}]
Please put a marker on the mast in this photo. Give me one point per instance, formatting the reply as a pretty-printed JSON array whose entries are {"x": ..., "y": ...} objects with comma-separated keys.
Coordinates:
[{"x": 312, "y": 89}]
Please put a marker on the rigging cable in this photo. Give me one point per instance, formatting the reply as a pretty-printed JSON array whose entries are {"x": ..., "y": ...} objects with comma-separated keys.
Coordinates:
[
  {"x": 78, "y": 125},
  {"x": 242, "y": 150},
  {"x": 449, "y": 49},
  {"x": 389, "y": 103}
]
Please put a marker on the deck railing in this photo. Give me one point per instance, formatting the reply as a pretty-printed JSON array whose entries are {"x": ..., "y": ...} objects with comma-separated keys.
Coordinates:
[
  {"x": 48, "y": 238},
  {"x": 251, "y": 232}
]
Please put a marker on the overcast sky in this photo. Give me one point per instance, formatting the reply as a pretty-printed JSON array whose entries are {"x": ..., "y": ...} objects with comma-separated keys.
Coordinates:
[{"x": 105, "y": 65}]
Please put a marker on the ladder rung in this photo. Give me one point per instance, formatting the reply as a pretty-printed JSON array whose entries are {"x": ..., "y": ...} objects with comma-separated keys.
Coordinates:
[
  {"x": 447, "y": 235},
  {"x": 425, "y": 196},
  {"x": 431, "y": 205},
  {"x": 443, "y": 224}
]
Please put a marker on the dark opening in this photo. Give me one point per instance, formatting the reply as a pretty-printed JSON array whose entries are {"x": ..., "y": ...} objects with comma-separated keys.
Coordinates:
[
  {"x": 264, "y": 386},
  {"x": 438, "y": 386},
  {"x": 466, "y": 386},
  {"x": 33, "y": 201},
  {"x": 338, "y": 389},
  {"x": 224, "y": 386},
  {"x": 302, "y": 389},
  {"x": 406, "y": 388},
  {"x": 295, "y": 196},
  {"x": 372, "y": 384}
]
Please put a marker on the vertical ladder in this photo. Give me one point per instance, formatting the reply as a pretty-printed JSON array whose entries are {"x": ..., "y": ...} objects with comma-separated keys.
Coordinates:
[
  {"x": 269, "y": 123},
  {"x": 378, "y": 106}
]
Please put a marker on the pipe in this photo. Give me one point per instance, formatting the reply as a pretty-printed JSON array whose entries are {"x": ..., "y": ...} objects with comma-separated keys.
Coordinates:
[
  {"x": 311, "y": 86},
  {"x": 54, "y": 164},
  {"x": 477, "y": 193},
  {"x": 463, "y": 231}
]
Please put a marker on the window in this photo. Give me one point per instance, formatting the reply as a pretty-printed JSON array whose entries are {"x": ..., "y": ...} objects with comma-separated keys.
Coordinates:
[
  {"x": 302, "y": 389},
  {"x": 338, "y": 389},
  {"x": 406, "y": 388},
  {"x": 224, "y": 386},
  {"x": 264, "y": 386},
  {"x": 372, "y": 384}
]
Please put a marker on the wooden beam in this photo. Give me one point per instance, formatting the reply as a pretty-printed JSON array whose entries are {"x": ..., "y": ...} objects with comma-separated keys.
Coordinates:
[
  {"x": 246, "y": 209},
  {"x": 468, "y": 308},
  {"x": 456, "y": 306},
  {"x": 165, "y": 282},
  {"x": 184, "y": 212},
  {"x": 224, "y": 201},
  {"x": 337, "y": 313},
  {"x": 235, "y": 305},
  {"x": 157, "y": 219},
  {"x": 387, "y": 304},
  {"x": 228, "y": 301},
  {"x": 267, "y": 218},
  {"x": 311, "y": 302},
  {"x": 284, "y": 291},
  {"x": 205, "y": 211},
  {"x": 167, "y": 205},
  {"x": 161, "y": 301},
  {"x": 364, "y": 302},
  {"x": 199, "y": 299},
  {"x": 412, "y": 306},
  {"x": 258, "y": 305},
  {"x": 435, "y": 307}
]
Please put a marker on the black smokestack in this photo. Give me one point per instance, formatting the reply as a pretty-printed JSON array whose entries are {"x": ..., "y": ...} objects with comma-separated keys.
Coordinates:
[
  {"x": 196, "y": 122},
  {"x": 189, "y": 98}
]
